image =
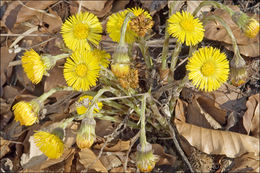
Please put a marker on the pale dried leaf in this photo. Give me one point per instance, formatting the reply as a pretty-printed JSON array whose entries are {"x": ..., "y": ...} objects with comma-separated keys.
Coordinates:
[
  {"x": 110, "y": 161},
  {"x": 211, "y": 141},
  {"x": 249, "y": 50},
  {"x": 121, "y": 169},
  {"x": 87, "y": 157},
  {"x": 251, "y": 116},
  {"x": 93, "y": 5},
  {"x": 246, "y": 163},
  {"x": 68, "y": 163},
  {"x": 192, "y": 5},
  {"x": 120, "y": 146},
  {"x": 164, "y": 158},
  {"x": 4, "y": 147},
  {"x": 180, "y": 110}
]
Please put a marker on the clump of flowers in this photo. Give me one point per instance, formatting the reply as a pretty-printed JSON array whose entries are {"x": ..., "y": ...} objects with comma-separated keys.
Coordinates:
[
  {"x": 26, "y": 112},
  {"x": 81, "y": 70},
  {"x": 83, "y": 103},
  {"x": 115, "y": 22},
  {"x": 186, "y": 28},
  {"x": 81, "y": 30},
  {"x": 208, "y": 68},
  {"x": 50, "y": 143},
  {"x": 86, "y": 134}
]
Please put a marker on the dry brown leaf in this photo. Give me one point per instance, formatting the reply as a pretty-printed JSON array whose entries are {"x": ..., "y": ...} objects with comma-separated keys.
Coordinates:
[
  {"x": 100, "y": 131},
  {"x": 192, "y": 5},
  {"x": 121, "y": 169},
  {"x": 110, "y": 161},
  {"x": 119, "y": 5},
  {"x": 4, "y": 147},
  {"x": 180, "y": 110},
  {"x": 87, "y": 157},
  {"x": 10, "y": 92},
  {"x": 251, "y": 116},
  {"x": 211, "y": 141},
  {"x": 215, "y": 31},
  {"x": 164, "y": 158},
  {"x": 120, "y": 146},
  {"x": 246, "y": 163},
  {"x": 54, "y": 24},
  {"x": 68, "y": 163},
  {"x": 17, "y": 13},
  {"x": 6, "y": 57}
]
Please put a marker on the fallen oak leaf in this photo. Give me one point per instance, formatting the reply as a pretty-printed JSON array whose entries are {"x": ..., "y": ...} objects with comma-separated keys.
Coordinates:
[{"x": 212, "y": 141}]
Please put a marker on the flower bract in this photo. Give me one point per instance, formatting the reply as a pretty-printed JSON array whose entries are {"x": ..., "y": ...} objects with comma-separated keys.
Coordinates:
[
  {"x": 81, "y": 29},
  {"x": 84, "y": 102},
  {"x": 50, "y": 144},
  {"x": 115, "y": 23},
  {"x": 26, "y": 112},
  {"x": 86, "y": 134},
  {"x": 208, "y": 68},
  {"x": 81, "y": 70},
  {"x": 186, "y": 28},
  {"x": 33, "y": 66}
]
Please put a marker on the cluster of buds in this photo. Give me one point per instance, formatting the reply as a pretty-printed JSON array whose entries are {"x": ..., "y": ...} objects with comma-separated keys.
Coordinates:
[
  {"x": 141, "y": 24},
  {"x": 145, "y": 159},
  {"x": 86, "y": 134},
  {"x": 249, "y": 26}
]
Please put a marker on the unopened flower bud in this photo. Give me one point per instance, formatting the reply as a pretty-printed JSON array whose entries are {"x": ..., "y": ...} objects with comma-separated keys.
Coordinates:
[{"x": 86, "y": 134}]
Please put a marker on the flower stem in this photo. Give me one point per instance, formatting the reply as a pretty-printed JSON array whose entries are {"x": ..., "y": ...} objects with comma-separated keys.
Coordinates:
[
  {"x": 215, "y": 4},
  {"x": 124, "y": 27},
  {"x": 166, "y": 40},
  {"x": 44, "y": 96},
  {"x": 147, "y": 58},
  {"x": 60, "y": 56},
  {"x": 237, "y": 55},
  {"x": 142, "y": 119},
  {"x": 175, "y": 55}
]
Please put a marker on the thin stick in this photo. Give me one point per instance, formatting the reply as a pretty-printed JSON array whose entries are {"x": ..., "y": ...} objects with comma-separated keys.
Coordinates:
[
  {"x": 117, "y": 98},
  {"x": 80, "y": 5},
  {"x": 14, "y": 63},
  {"x": 25, "y": 35}
]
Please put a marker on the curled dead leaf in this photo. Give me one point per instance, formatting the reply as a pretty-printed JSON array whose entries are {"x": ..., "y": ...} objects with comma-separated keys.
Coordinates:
[
  {"x": 211, "y": 141},
  {"x": 120, "y": 146},
  {"x": 246, "y": 163}
]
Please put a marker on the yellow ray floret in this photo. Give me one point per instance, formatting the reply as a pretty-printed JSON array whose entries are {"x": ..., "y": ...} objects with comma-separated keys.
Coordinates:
[
  {"x": 33, "y": 66},
  {"x": 84, "y": 102},
  {"x": 50, "y": 144},
  {"x": 81, "y": 70},
  {"x": 208, "y": 68},
  {"x": 81, "y": 29},
  {"x": 116, "y": 21},
  {"x": 102, "y": 56},
  {"x": 186, "y": 28},
  {"x": 26, "y": 112}
]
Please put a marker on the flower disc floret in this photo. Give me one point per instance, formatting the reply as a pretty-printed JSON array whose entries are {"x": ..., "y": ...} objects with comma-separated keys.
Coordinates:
[
  {"x": 81, "y": 70},
  {"x": 208, "y": 68},
  {"x": 79, "y": 30},
  {"x": 116, "y": 21},
  {"x": 26, "y": 112},
  {"x": 33, "y": 66},
  {"x": 186, "y": 28},
  {"x": 50, "y": 144}
]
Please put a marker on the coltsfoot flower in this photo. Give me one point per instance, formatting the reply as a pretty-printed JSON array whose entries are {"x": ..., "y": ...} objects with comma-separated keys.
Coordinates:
[
  {"x": 238, "y": 71},
  {"x": 50, "y": 143},
  {"x": 252, "y": 28},
  {"x": 79, "y": 30},
  {"x": 26, "y": 112},
  {"x": 186, "y": 28},
  {"x": 120, "y": 69},
  {"x": 83, "y": 103},
  {"x": 132, "y": 80},
  {"x": 208, "y": 69},
  {"x": 102, "y": 56},
  {"x": 34, "y": 66},
  {"x": 86, "y": 134},
  {"x": 145, "y": 159},
  {"x": 116, "y": 21},
  {"x": 81, "y": 70}
]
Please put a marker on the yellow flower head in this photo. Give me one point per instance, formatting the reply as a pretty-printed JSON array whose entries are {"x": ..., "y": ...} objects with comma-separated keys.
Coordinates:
[
  {"x": 26, "y": 112},
  {"x": 252, "y": 28},
  {"x": 208, "y": 68},
  {"x": 145, "y": 160},
  {"x": 50, "y": 144},
  {"x": 120, "y": 70},
  {"x": 116, "y": 21},
  {"x": 84, "y": 102},
  {"x": 102, "y": 56},
  {"x": 81, "y": 70},
  {"x": 80, "y": 29},
  {"x": 33, "y": 66},
  {"x": 86, "y": 135},
  {"x": 186, "y": 28}
]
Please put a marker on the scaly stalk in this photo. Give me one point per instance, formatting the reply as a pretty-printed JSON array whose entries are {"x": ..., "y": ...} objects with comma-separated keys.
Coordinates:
[{"x": 143, "y": 140}]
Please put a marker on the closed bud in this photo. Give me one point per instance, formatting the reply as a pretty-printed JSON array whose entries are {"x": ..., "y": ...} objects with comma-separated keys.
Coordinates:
[{"x": 86, "y": 134}]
